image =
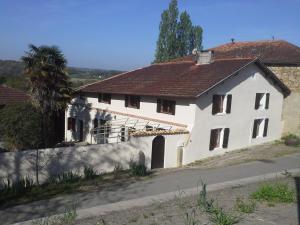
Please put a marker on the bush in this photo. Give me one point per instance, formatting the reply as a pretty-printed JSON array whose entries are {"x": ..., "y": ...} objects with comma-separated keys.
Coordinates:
[
  {"x": 291, "y": 140},
  {"x": 20, "y": 126},
  {"x": 138, "y": 169},
  {"x": 245, "y": 207},
  {"x": 278, "y": 192},
  {"x": 89, "y": 172}
]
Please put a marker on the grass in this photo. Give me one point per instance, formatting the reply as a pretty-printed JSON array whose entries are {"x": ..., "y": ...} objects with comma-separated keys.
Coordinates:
[
  {"x": 245, "y": 206},
  {"x": 274, "y": 193}
]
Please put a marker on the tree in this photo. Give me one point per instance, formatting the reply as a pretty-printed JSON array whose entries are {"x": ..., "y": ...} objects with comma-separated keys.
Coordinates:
[
  {"x": 50, "y": 88},
  {"x": 176, "y": 38},
  {"x": 184, "y": 34},
  {"x": 20, "y": 126},
  {"x": 166, "y": 48},
  {"x": 196, "y": 39}
]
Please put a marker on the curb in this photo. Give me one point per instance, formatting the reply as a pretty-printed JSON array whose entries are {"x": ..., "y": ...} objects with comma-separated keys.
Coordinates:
[{"x": 144, "y": 201}]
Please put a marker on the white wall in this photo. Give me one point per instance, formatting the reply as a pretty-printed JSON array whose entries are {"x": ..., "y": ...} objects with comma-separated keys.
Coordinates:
[
  {"x": 243, "y": 88},
  {"x": 103, "y": 158}
]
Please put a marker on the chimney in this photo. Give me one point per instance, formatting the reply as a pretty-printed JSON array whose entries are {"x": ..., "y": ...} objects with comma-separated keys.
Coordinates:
[{"x": 205, "y": 57}]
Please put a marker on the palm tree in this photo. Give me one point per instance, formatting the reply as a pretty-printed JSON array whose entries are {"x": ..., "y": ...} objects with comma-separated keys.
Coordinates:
[{"x": 50, "y": 87}]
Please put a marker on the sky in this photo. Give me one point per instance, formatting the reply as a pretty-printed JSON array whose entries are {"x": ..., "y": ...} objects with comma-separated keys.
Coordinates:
[{"x": 122, "y": 34}]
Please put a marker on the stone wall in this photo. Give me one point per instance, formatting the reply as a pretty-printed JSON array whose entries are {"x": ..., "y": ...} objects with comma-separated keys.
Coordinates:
[
  {"x": 291, "y": 105},
  {"x": 289, "y": 75}
]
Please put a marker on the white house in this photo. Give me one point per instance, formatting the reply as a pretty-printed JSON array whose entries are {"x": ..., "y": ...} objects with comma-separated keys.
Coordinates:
[{"x": 210, "y": 105}]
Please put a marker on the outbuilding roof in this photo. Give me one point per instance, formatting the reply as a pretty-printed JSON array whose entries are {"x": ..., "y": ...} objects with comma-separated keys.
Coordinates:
[
  {"x": 270, "y": 52},
  {"x": 10, "y": 95},
  {"x": 184, "y": 79}
]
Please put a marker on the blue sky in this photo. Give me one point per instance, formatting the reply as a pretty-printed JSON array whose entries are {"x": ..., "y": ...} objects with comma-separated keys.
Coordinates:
[{"x": 121, "y": 34}]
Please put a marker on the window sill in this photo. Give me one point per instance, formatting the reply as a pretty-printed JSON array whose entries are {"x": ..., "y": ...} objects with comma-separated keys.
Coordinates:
[
  {"x": 132, "y": 107},
  {"x": 108, "y": 103},
  {"x": 167, "y": 113},
  {"x": 221, "y": 114}
]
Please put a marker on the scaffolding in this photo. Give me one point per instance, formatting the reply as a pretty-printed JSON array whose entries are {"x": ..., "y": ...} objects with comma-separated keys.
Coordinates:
[{"x": 119, "y": 130}]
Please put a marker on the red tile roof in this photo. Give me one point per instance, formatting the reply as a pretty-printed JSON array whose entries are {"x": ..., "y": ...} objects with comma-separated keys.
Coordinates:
[
  {"x": 270, "y": 52},
  {"x": 10, "y": 95},
  {"x": 277, "y": 52},
  {"x": 177, "y": 79}
]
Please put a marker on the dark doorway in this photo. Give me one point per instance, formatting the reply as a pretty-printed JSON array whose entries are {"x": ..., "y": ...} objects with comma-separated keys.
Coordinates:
[
  {"x": 158, "y": 152},
  {"x": 80, "y": 130}
]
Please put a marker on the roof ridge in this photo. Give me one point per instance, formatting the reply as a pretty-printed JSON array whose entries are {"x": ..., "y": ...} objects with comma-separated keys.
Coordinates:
[{"x": 173, "y": 62}]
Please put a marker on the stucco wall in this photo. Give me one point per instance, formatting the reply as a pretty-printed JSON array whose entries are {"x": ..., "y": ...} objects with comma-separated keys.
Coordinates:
[
  {"x": 243, "y": 88},
  {"x": 104, "y": 157},
  {"x": 148, "y": 106},
  {"x": 291, "y": 106}
]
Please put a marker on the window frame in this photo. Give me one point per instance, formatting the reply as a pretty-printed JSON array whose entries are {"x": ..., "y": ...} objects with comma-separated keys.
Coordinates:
[
  {"x": 226, "y": 104},
  {"x": 128, "y": 101},
  {"x": 161, "y": 106},
  {"x": 223, "y": 135},
  {"x": 262, "y": 129},
  {"x": 101, "y": 98},
  {"x": 264, "y": 102}
]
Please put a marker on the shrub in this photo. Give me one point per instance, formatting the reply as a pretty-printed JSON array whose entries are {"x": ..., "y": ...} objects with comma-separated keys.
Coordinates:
[
  {"x": 20, "y": 126},
  {"x": 138, "y": 169},
  {"x": 291, "y": 140},
  {"x": 244, "y": 206},
  {"x": 89, "y": 172},
  {"x": 278, "y": 192}
]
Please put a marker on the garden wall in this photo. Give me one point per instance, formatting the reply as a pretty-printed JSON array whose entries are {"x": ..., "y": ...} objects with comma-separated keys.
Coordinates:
[{"x": 103, "y": 158}]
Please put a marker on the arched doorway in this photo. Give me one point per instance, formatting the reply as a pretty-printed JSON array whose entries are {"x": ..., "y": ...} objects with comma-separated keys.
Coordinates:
[{"x": 158, "y": 152}]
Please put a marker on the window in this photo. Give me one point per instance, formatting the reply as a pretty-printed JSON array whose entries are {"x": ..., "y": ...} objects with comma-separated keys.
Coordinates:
[
  {"x": 262, "y": 100},
  {"x": 221, "y": 104},
  {"x": 71, "y": 123},
  {"x": 219, "y": 138},
  {"x": 166, "y": 106},
  {"x": 260, "y": 128},
  {"x": 105, "y": 98},
  {"x": 132, "y": 101}
]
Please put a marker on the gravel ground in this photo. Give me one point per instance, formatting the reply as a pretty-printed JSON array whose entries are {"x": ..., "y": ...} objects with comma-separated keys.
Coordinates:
[{"x": 175, "y": 212}]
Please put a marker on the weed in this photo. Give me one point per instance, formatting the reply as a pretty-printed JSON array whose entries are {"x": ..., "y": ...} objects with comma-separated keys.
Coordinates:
[
  {"x": 244, "y": 206},
  {"x": 89, "y": 173},
  {"x": 291, "y": 140},
  {"x": 203, "y": 202},
  {"x": 138, "y": 169},
  {"x": 16, "y": 187},
  {"x": 67, "y": 218},
  {"x": 101, "y": 222},
  {"x": 190, "y": 218},
  {"x": 65, "y": 178},
  {"x": 69, "y": 215},
  {"x": 278, "y": 192},
  {"x": 220, "y": 217}
]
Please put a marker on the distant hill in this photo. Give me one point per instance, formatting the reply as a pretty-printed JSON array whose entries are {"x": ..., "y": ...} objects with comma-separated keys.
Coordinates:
[{"x": 12, "y": 68}]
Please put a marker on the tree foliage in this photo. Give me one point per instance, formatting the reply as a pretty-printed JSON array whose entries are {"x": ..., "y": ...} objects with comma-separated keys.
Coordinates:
[
  {"x": 20, "y": 126},
  {"x": 49, "y": 83},
  {"x": 176, "y": 37}
]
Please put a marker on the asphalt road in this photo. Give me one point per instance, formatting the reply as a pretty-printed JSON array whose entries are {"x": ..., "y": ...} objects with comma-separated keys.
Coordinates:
[{"x": 166, "y": 182}]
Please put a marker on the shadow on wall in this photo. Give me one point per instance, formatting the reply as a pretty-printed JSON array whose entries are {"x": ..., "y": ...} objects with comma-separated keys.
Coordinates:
[
  {"x": 80, "y": 110},
  {"x": 45, "y": 163}
]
